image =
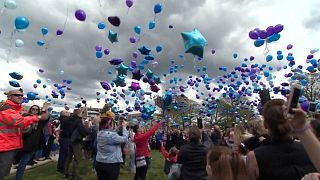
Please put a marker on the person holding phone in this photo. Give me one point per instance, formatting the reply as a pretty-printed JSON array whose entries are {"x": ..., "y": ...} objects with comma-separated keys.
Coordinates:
[{"x": 282, "y": 157}]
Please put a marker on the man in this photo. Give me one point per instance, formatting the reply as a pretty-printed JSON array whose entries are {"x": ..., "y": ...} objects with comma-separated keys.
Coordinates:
[
  {"x": 64, "y": 141},
  {"x": 11, "y": 124},
  {"x": 73, "y": 129}
]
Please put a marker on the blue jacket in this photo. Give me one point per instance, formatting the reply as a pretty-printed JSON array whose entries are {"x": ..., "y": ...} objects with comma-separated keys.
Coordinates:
[{"x": 109, "y": 146}]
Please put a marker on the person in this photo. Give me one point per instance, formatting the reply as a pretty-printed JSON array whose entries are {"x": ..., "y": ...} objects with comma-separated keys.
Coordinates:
[
  {"x": 76, "y": 132},
  {"x": 64, "y": 140},
  {"x": 216, "y": 135},
  {"x": 260, "y": 135},
  {"x": 109, "y": 155},
  {"x": 142, "y": 151},
  {"x": 11, "y": 122},
  {"x": 31, "y": 141},
  {"x": 170, "y": 157},
  {"x": 240, "y": 135},
  {"x": 315, "y": 125},
  {"x": 192, "y": 156},
  {"x": 225, "y": 164},
  {"x": 281, "y": 158}
]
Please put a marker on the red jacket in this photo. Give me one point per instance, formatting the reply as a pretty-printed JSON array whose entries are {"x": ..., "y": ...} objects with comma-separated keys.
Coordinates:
[
  {"x": 141, "y": 141},
  {"x": 168, "y": 156},
  {"x": 11, "y": 123}
]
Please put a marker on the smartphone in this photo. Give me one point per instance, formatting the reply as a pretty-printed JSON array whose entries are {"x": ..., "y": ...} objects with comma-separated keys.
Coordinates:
[
  {"x": 312, "y": 107},
  {"x": 293, "y": 99},
  {"x": 199, "y": 122},
  {"x": 264, "y": 96}
]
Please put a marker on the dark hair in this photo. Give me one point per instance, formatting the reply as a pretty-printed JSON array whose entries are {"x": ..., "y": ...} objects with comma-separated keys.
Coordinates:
[
  {"x": 273, "y": 114},
  {"x": 194, "y": 134},
  {"x": 315, "y": 124},
  {"x": 105, "y": 122},
  {"x": 29, "y": 111},
  {"x": 135, "y": 128},
  {"x": 226, "y": 164}
]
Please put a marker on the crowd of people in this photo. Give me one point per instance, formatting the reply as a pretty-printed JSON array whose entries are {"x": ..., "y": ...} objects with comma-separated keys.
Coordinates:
[{"x": 276, "y": 145}]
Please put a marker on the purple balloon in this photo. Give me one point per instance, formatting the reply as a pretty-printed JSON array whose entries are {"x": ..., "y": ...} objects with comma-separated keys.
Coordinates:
[
  {"x": 270, "y": 31},
  {"x": 278, "y": 28},
  {"x": 115, "y": 61},
  {"x": 213, "y": 51},
  {"x": 129, "y": 3},
  {"x": 98, "y": 47},
  {"x": 134, "y": 54},
  {"x": 35, "y": 86},
  {"x": 59, "y": 32},
  {"x": 253, "y": 35},
  {"x": 133, "y": 64},
  {"x": 106, "y": 51},
  {"x": 80, "y": 15},
  {"x": 305, "y": 106},
  {"x": 263, "y": 34},
  {"x": 289, "y": 46},
  {"x": 114, "y": 20},
  {"x": 170, "y": 26},
  {"x": 41, "y": 70},
  {"x": 132, "y": 40}
]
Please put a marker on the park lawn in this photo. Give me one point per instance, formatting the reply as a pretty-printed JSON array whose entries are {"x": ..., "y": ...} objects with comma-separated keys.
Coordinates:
[{"x": 48, "y": 171}]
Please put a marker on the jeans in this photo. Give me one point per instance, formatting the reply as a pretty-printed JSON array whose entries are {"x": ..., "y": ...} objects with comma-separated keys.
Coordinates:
[
  {"x": 74, "y": 150},
  {"x": 141, "y": 172},
  {"x": 63, "y": 153},
  {"x": 107, "y": 171},
  {"x": 25, "y": 157},
  {"x": 6, "y": 160}
]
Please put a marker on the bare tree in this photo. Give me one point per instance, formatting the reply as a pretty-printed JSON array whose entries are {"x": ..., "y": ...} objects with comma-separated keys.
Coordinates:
[{"x": 312, "y": 89}]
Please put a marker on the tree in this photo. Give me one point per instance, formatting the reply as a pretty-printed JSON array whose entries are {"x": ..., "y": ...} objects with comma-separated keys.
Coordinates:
[{"x": 312, "y": 89}]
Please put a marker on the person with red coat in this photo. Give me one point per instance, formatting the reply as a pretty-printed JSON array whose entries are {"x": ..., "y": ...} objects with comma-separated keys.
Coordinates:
[
  {"x": 170, "y": 157},
  {"x": 142, "y": 151},
  {"x": 11, "y": 124}
]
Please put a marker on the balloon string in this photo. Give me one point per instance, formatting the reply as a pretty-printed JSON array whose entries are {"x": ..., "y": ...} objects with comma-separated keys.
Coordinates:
[
  {"x": 266, "y": 50},
  {"x": 100, "y": 4},
  {"x": 10, "y": 47},
  {"x": 1, "y": 11},
  {"x": 194, "y": 63}
]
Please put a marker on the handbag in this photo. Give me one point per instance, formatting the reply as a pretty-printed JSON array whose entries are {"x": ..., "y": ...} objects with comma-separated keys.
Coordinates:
[
  {"x": 141, "y": 161},
  {"x": 175, "y": 171}
]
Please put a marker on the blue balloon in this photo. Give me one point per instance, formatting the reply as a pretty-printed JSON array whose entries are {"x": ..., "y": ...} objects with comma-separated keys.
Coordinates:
[
  {"x": 101, "y": 25},
  {"x": 152, "y": 24},
  {"x": 269, "y": 58},
  {"x": 21, "y": 23},
  {"x": 194, "y": 42},
  {"x": 99, "y": 54},
  {"x": 158, "y": 48},
  {"x": 44, "y": 31},
  {"x": 44, "y": 86},
  {"x": 113, "y": 36},
  {"x": 258, "y": 42},
  {"x": 14, "y": 84},
  {"x": 39, "y": 81},
  {"x": 274, "y": 37},
  {"x": 32, "y": 96},
  {"x": 235, "y": 55},
  {"x": 137, "y": 29},
  {"x": 40, "y": 43},
  {"x": 280, "y": 57},
  {"x": 157, "y": 8}
]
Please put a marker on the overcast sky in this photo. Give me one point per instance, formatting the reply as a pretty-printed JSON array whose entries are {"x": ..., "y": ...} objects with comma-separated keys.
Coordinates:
[{"x": 224, "y": 24}]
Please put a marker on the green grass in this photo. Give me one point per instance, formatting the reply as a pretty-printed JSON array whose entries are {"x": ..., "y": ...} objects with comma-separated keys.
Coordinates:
[{"x": 48, "y": 171}]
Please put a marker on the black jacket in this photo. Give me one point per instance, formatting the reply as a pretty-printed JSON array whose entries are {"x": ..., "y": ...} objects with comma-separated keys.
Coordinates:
[
  {"x": 72, "y": 123},
  {"x": 31, "y": 141},
  {"x": 193, "y": 159}
]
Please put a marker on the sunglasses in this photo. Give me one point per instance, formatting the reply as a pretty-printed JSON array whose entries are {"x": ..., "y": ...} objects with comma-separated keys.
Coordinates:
[
  {"x": 35, "y": 109},
  {"x": 17, "y": 95}
]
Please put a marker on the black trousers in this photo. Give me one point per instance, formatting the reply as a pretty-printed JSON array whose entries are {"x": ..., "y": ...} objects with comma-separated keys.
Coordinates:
[
  {"x": 107, "y": 171},
  {"x": 141, "y": 172}
]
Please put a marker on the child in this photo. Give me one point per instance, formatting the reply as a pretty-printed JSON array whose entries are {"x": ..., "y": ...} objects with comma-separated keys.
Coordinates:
[{"x": 170, "y": 157}]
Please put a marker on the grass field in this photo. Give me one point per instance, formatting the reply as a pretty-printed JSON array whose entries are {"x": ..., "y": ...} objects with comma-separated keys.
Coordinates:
[{"x": 48, "y": 171}]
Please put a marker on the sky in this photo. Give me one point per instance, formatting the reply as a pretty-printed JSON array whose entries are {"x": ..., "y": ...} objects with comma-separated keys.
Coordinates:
[{"x": 224, "y": 24}]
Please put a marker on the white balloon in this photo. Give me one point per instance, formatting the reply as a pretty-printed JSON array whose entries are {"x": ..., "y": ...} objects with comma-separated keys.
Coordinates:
[
  {"x": 10, "y": 4},
  {"x": 19, "y": 43}
]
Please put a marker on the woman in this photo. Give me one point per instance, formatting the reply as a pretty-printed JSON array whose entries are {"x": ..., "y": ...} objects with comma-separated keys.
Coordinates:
[
  {"x": 142, "y": 151},
  {"x": 281, "y": 158},
  {"x": 192, "y": 156},
  {"x": 225, "y": 164},
  {"x": 109, "y": 155},
  {"x": 31, "y": 141},
  {"x": 240, "y": 135},
  {"x": 260, "y": 137}
]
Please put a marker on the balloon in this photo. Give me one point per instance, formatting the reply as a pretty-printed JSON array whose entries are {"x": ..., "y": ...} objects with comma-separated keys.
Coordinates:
[
  {"x": 61, "y": 72},
  {"x": 35, "y": 86},
  {"x": 158, "y": 48},
  {"x": 194, "y": 42},
  {"x": 98, "y": 47},
  {"x": 39, "y": 81},
  {"x": 152, "y": 24},
  {"x": 16, "y": 75},
  {"x": 106, "y": 51},
  {"x": 122, "y": 69},
  {"x": 129, "y": 3},
  {"x": 253, "y": 34},
  {"x": 99, "y": 54},
  {"x": 10, "y": 4},
  {"x": 69, "y": 81},
  {"x": 270, "y": 31},
  {"x": 213, "y": 51},
  {"x": 133, "y": 39},
  {"x": 263, "y": 34},
  {"x": 274, "y": 37},
  {"x": 59, "y": 32},
  {"x": 120, "y": 81},
  {"x": 40, "y": 43},
  {"x": 269, "y": 58},
  {"x": 170, "y": 26},
  {"x": 32, "y": 96},
  {"x": 14, "y": 84},
  {"x": 149, "y": 73},
  {"x": 135, "y": 55},
  {"x": 80, "y": 15},
  {"x": 137, "y": 29},
  {"x": 19, "y": 43},
  {"x": 101, "y": 25},
  {"x": 21, "y": 23},
  {"x": 258, "y": 42},
  {"x": 154, "y": 64},
  {"x": 114, "y": 20},
  {"x": 136, "y": 74},
  {"x": 135, "y": 86},
  {"x": 113, "y": 36},
  {"x": 115, "y": 61},
  {"x": 157, "y": 8},
  {"x": 167, "y": 98},
  {"x": 44, "y": 31},
  {"x": 235, "y": 55},
  {"x": 44, "y": 86},
  {"x": 278, "y": 28},
  {"x": 144, "y": 50},
  {"x": 105, "y": 86},
  {"x": 289, "y": 46}
]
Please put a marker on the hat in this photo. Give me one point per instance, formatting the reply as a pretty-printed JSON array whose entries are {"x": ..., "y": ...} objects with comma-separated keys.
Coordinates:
[{"x": 12, "y": 92}]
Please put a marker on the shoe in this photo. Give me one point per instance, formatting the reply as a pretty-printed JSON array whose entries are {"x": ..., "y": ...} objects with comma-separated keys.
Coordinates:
[
  {"x": 31, "y": 163},
  {"x": 48, "y": 158},
  {"x": 60, "y": 171},
  {"x": 65, "y": 176}
]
